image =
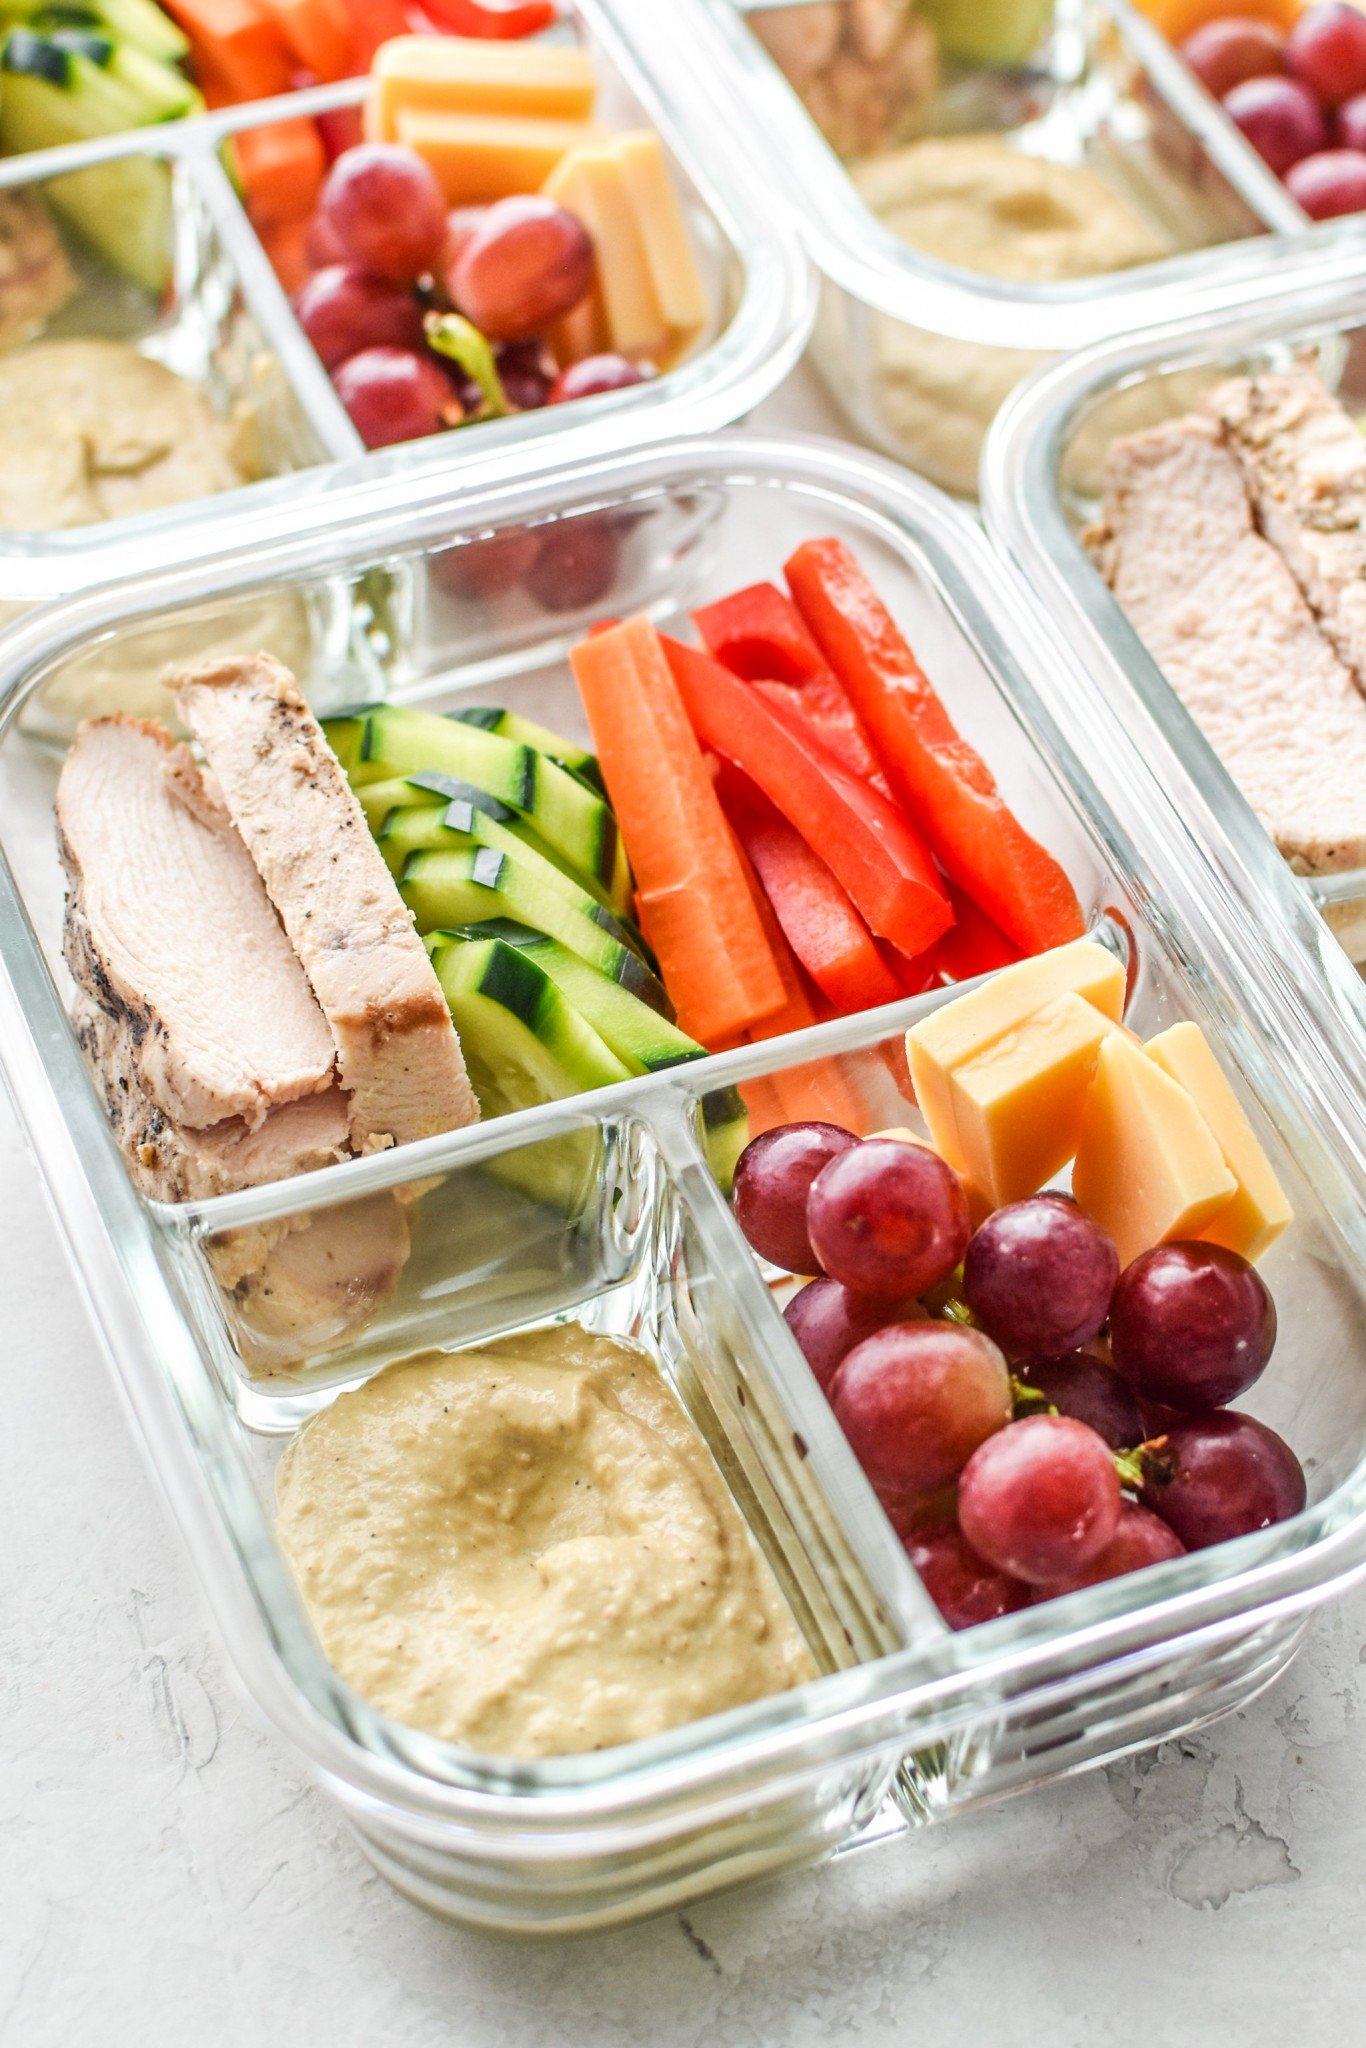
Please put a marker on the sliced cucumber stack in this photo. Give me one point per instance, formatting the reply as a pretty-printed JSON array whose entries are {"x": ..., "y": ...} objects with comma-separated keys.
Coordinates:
[
  {"x": 636, "y": 1033},
  {"x": 524, "y": 1042},
  {"x": 510, "y": 725},
  {"x": 472, "y": 884},
  {"x": 396, "y": 741},
  {"x": 432, "y": 792}
]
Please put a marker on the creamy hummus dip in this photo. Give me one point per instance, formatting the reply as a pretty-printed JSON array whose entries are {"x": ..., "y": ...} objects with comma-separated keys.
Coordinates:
[
  {"x": 528, "y": 1549},
  {"x": 977, "y": 203},
  {"x": 91, "y": 430}
]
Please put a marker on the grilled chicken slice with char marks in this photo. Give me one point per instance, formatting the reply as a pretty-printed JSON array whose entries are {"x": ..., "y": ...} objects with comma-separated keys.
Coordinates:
[{"x": 289, "y": 799}]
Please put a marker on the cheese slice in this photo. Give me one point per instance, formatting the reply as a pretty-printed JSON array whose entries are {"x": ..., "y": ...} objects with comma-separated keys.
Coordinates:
[
  {"x": 963, "y": 1029},
  {"x": 481, "y": 157},
  {"x": 467, "y": 75},
  {"x": 589, "y": 185},
  {"x": 1017, "y": 1105},
  {"x": 1148, "y": 1167},
  {"x": 663, "y": 232},
  {"x": 1259, "y": 1211}
]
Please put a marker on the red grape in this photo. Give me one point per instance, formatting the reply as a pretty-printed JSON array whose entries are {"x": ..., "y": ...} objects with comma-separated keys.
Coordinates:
[
  {"x": 321, "y": 245},
  {"x": 920, "y": 1514},
  {"x": 1330, "y": 183},
  {"x": 1223, "y": 54},
  {"x": 461, "y": 223},
  {"x": 386, "y": 209},
  {"x": 888, "y": 1219},
  {"x": 578, "y": 562},
  {"x": 1192, "y": 1325},
  {"x": 963, "y": 1586},
  {"x": 773, "y": 1180},
  {"x": 341, "y": 129},
  {"x": 1326, "y": 51},
  {"x": 1350, "y": 127},
  {"x": 594, "y": 374},
  {"x": 393, "y": 395},
  {"x": 1231, "y": 1475},
  {"x": 1038, "y": 1276},
  {"x": 487, "y": 567},
  {"x": 1280, "y": 118},
  {"x": 1040, "y": 1499},
  {"x": 916, "y": 1399},
  {"x": 1142, "y": 1538},
  {"x": 344, "y": 309},
  {"x": 520, "y": 267},
  {"x": 828, "y": 1321},
  {"x": 1092, "y": 1392},
  {"x": 526, "y": 374}
]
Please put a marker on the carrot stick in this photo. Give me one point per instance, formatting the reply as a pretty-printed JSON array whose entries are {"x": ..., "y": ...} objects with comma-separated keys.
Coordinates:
[
  {"x": 282, "y": 167},
  {"x": 319, "y": 34},
  {"x": 717, "y": 964},
  {"x": 241, "y": 43}
]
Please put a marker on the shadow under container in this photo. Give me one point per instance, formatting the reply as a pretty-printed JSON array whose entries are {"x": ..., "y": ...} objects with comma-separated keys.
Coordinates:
[
  {"x": 210, "y": 308},
  {"x": 611, "y": 1208},
  {"x": 908, "y": 340}
]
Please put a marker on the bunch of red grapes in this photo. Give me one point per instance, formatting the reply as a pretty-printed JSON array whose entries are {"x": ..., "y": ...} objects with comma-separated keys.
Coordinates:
[
  {"x": 1300, "y": 98},
  {"x": 386, "y": 252},
  {"x": 1018, "y": 1455}
]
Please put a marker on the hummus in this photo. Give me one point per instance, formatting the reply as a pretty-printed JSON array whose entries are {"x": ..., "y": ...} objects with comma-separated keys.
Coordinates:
[
  {"x": 528, "y": 1549},
  {"x": 981, "y": 205},
  {"x": 91, "y": 430}
]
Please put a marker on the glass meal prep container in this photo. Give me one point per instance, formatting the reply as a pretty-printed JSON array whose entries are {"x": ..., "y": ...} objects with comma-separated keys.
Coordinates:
[
  {"x": 225, "y": 323},
  {"x": 610, "y": 1208},
  {"x": 1302, "y": 306},
  {"x": 910, "y": 343}
]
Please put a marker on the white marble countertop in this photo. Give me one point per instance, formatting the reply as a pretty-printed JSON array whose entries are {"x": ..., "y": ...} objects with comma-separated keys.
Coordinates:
[{"x": 169, "y": 1878}]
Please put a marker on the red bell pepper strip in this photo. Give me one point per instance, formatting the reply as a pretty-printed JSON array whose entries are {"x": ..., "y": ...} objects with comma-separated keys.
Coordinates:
[
  {"x": 818, "y": 921},
  {"x": 874, "y": 851},
  {"x": 759, "y": 633},
  {"x": 974, "y": 945},
  {"x": 821, "y": 708},
  {"x": 693, "y": 889},
  {"x": 494, "y": 20},
  {"x": 946, "y": 786}
]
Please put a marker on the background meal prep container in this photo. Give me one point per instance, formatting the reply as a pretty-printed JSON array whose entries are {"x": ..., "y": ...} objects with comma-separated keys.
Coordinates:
[
  {"x": 633, "y": 1233},
  {"x": 1309, "y": 303},
  {"x": 1103, "y": 89},
  {"x": 227, "y": 323}
]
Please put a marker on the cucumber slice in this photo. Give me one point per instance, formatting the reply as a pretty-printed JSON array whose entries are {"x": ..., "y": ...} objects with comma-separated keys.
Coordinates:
[
  {"x": 473, "y": 884},
  {"x": 568, "y": 817},
  {"x": 462, "y": 825},
  {"x": 164, "y": 92},
  {"x": 123, "y": 208},
  {"x": 345, "y": 734},
  {"x": 523, "y": 1040},
  {"x": 143, "y": 25},
  {"x": 725, "y": 1133},
  {"x": 436, "y": 792},
  {"x": 637, "y": 1034},
  {"x": 512, "y": 726}
]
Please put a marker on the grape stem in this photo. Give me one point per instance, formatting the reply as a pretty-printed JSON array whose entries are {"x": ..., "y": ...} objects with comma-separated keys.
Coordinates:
[{"x": 452, "y": 335}]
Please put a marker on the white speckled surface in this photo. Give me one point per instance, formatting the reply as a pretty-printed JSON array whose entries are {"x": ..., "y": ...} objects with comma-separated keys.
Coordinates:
[{"x": 168, "y": 1878}]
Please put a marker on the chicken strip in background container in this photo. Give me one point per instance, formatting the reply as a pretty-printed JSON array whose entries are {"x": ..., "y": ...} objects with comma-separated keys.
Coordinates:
[
  {"x": 1210, "y": 577},
  {"x": 982, "y": 186}
]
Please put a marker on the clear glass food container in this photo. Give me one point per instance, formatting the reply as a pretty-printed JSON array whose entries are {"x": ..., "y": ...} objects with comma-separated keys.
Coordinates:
[
  {"x": 223, "y": 321},
  {"x": 919, "y": 345},
  {"x": 610, "y": 1207},
  {"x": 1040, "y": 479}
]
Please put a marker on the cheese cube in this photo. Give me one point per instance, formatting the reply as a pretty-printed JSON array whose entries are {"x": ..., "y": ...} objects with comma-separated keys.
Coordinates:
[
  {"x": 1147, "y": 1168},
  {"x": 964, "y": 1028},
  {"x": 467, "y": 75},
  {"x": 1017, "y": 1104},
  {"x": 589, "y": 185},
  {"x": 663, "y": 232},
  {"x": 1259, "y": 1211},
  {"x": 481, "y": 157}
]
